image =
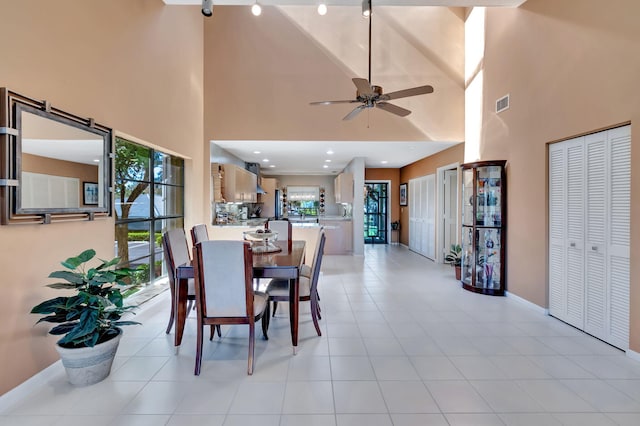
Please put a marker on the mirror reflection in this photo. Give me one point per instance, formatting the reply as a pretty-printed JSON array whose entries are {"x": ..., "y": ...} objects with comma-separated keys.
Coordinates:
[{"x": 61, "y": 165}]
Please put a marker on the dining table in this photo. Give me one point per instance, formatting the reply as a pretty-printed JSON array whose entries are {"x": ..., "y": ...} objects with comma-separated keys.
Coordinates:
[{"x": 283, "y": 264}]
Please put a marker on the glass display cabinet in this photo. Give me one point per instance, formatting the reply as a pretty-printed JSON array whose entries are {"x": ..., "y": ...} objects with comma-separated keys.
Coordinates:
[{"x": 483, "y": 227}]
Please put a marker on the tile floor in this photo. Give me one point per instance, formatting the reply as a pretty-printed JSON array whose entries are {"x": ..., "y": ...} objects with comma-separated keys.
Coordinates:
[{"x": 402, "y": 345}]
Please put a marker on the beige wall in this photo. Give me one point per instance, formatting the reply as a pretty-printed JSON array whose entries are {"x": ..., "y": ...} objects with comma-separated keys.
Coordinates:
[
  {"x": 424, "y": 167},
  {"x": 570, "y": 67},
  {"x": 135, "y": 66},
  {"x": 51, "y": 166}
]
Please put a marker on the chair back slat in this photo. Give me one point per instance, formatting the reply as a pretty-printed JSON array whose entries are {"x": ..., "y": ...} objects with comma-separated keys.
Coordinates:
[
  {"x": 317, "y": 263},
  {"x": 222, "y": 278},
  {"x": 199, "y": 233},
  {"x": 176, "y": 250},
  {"x": 282, "y": 227}
]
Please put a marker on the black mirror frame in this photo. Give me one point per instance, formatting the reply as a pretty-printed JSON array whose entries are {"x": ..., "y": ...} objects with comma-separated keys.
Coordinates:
[{"x": 11, "y": 212}]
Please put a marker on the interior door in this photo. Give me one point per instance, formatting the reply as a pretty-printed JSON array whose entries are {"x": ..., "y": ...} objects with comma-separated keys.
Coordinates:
[{"x": 450, "y": 210}]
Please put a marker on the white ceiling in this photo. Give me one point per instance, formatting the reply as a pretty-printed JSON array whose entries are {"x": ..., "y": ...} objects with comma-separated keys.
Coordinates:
[
  {"x": 450, "y": 3},
  {"x": 309, "y": 157}
]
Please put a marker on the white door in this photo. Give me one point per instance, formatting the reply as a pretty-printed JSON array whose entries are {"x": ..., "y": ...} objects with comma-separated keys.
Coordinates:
[
  {"x": 589, "y": 226},
  {"x": 422, "y": 215},
  {"x": 450, "y": 210}
]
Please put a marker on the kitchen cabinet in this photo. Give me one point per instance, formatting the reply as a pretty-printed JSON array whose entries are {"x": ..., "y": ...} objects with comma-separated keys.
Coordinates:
[
  {"x": 484, "y": 227},
  {"x": 268, "y": 200},
  {"x": 239, "y": 185},
  {"x": 343, "y": 188},
  {"x": 339, "y": 236}
]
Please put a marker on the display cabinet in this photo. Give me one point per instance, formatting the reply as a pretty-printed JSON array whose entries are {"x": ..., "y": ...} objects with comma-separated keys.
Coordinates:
[{"x": 484, "y": 227}]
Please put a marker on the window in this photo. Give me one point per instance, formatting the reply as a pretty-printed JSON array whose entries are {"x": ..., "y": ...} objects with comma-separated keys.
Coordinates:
[{"x": 149, "y": 200}]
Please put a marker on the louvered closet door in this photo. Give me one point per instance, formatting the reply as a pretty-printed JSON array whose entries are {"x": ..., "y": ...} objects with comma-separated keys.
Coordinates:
[
  {"x": 595, "y": 232},
  {"x": 618, "y": 259},
  {"x": 566, "y": 231},
  {"x": 430, "y": 216}
]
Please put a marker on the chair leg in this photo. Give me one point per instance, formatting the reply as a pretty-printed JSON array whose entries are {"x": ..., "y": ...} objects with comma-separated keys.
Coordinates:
[
  {"x": 252, "y": 343},
  {"x": 170, "y": 319},
  {"x": 265, "y": 322},
  {"x": 314, "y": 314},
  {"x": 275, "y": 308},
  {"x": 199, "y": 348},
  {"x": 219, "y": 331},
  {"x": 190, "y": 305}
]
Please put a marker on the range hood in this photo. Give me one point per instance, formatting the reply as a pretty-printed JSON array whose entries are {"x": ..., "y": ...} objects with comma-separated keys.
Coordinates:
[{"x": 255, "y": 169}]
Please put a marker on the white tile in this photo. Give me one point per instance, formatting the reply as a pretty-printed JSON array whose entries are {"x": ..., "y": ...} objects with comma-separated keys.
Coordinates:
[
  {"x": 251, "y": 419},
  {"x": 258, "y": 398},
  {"x": 408, "y": 397},
  {"x": 561, "y": 367},
  {"x": 351, "y": 368},
  {"x": 358, "y": 397},
  {"x": 23, "y": 420},
  {"x": 205, "y": 397},
  {"x": 474, "y": 420},
  {"x": 308, "y": 420},
  {"x": 584, "y": 419},
  {"x": 418, "y": 420},
  {"x": 629, "y": 387},
  {"x": 436, "y": 368},
  {"x": 625, "y": 419},
  {"x": 309, "y": 368},
  {"x": 313, "y": 397},
  {"x": 364, "y": 419},
  {"x": 139, "y": 368},
  {"x": 71, "y": 420},
  {"x": 519, "y": 367},
  {"x": 554, "y": 396},
  {"x": 603, "y": 396},
  {"x": 346, "y": 346},
  {"x": 477, "y": 367},
  {"x": 457, "y": 396},
  {"x": 529, "y": 419},
  {"x": 196, "y": 420},
  {"x": 393, "y": 368},
  {"x": 506, "y": 396},
  {"x": 606, "y": 367},
  {"x": 141, "y": 420},
  {"x": 157, "y": 398}
]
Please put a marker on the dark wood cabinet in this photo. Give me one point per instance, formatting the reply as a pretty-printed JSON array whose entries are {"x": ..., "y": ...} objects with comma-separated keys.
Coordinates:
[{"x": 484, "y": 222}]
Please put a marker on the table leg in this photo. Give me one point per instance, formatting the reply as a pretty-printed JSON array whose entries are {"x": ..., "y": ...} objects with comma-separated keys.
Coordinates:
[
  {"x": 181, "y": 310},
  {"x": 294, "y": 302}
]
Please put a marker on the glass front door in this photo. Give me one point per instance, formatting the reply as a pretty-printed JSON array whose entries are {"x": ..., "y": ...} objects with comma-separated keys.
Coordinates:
[{"x": 376, "y": 197}]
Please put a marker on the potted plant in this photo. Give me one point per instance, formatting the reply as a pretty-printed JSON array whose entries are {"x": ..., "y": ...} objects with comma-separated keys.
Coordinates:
[
  {"x": 89, "y": 320},
  {"x": 395, "y": 225},
  {"x": 455, "y": 259}
]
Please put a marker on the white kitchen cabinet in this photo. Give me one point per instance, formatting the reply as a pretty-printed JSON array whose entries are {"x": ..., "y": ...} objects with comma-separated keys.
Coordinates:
[
  {"x": 239, "y": 185},
  {"x": 343, "y": 188},
  {"x": 589, "y": 228}
]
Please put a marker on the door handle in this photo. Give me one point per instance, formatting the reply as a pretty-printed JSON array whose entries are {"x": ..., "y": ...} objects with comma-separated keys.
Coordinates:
[
  {"x": 572, "y": 245},
  {"x": 594, "y": 248}
]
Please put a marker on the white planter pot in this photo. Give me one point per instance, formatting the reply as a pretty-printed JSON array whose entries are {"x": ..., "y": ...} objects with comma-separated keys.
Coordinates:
[{"x": 86, "y": 366}]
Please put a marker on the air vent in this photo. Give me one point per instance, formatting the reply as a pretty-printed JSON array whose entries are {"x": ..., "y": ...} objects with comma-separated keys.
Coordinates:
[{"x": 502, "y": 104}]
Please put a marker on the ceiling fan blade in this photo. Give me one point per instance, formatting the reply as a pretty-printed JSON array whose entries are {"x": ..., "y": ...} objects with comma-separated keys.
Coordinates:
[
  {"x": 393, "y": 109},
  {"x": 422, "y": 90},
  {"x": 333, "y": 102},
  {"x": 355, "y": 112},
  {"x": 363, "y": 86}
]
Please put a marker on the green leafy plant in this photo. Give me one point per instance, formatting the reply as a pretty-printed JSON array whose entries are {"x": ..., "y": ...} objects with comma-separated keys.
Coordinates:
[
  {"x": 92, "y": 315},
  {"x": 455, "y": 255}
]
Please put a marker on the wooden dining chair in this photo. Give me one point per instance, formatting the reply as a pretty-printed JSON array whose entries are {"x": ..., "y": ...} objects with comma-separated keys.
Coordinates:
[
  {"x": 199, "y": 233},
  {"x": 223, "y": 272},
  {"x": 278, "y": 289},
  {"x": 283, "y": 228},
  {"x": 176, "y": 253}
]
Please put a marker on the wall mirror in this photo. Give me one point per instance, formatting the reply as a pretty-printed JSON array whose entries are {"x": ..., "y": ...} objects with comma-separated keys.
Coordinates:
[{"x": 55, "y": 164}]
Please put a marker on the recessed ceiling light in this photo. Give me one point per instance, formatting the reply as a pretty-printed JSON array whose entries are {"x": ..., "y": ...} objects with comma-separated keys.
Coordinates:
[
  {"x": 329, "y": 152},
  {"x": 256, "y": 9},
  {"x": 96, "y": 160},
  {"x": 322, "y": 9},
  {"x": 272, "y": 165},
  {"x": 266, "y": 160},
  {"x": 384, "y": 161},
  {"x": 327, "y": 161},
  {"x": 325, "y": 167},
  {"x": 256, "y": 152}
]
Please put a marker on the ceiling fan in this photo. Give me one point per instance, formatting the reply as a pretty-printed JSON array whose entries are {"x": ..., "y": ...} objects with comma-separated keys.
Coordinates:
[{"x": 372, "y": 96}]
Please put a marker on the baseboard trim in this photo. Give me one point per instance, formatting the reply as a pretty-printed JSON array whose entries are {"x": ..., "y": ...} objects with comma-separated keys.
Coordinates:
[
  {"x": 633, "y": 355},
  {"x": 30, "y": 386},
  {"x": 540, "y": 309}
]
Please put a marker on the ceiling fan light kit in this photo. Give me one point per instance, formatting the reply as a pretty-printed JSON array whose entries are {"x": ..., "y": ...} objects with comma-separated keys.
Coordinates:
[
  {"x": 207, "y": 7},
  {"x": 372, "y": 96}
]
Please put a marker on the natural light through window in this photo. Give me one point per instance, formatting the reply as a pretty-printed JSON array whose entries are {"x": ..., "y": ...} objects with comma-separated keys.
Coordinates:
[{"x": 474, "y": 94}]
